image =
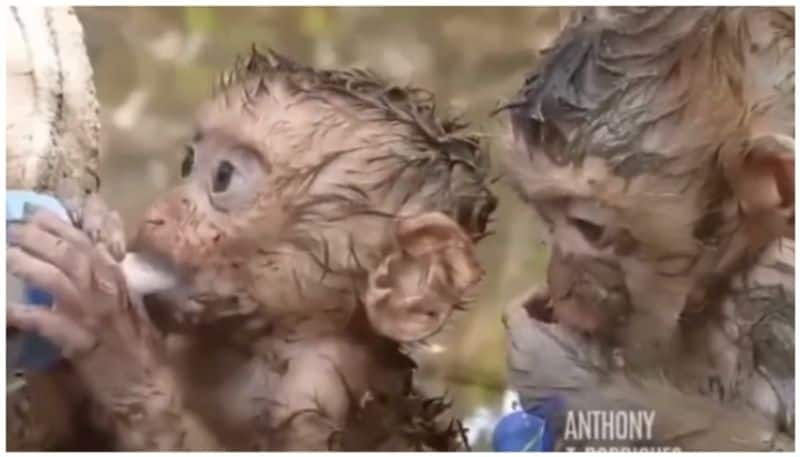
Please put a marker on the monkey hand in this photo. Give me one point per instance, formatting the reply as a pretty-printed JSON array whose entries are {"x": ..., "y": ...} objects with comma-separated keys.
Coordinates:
[
  {"x": 111, "y": 343},
  {"x": 102, "y": 224}
]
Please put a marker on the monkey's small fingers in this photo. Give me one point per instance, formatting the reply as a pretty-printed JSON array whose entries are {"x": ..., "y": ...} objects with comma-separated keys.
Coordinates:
[
  {"x": 44, "y": 275},
  {"x": 55, "y": 225},
  {"x": 113, "y": 236},
  {"x": 72, "y": 197},
  {"x": 95, "y": 213},
  {"x": 72, "y": 260},
  {"x": 57, "y": 328},
  {"x": 104, "y": 226},
  {"x": 108, "y": 253}
]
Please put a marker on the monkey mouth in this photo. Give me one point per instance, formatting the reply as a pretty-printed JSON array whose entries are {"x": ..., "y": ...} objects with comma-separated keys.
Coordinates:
[
  {"x": 154, "y": 282},
  {"x": 167, "y": 295},
  {"x": 540, "y": 306},
  {"x": 146, "y": 274},
  {"x": 178, "y": 310},
  {"x": 163, "y": 312},
  {"x": 175, "y": 311}
]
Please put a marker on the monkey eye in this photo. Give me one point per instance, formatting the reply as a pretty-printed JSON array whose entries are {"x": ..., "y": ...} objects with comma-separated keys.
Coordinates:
[
  {"x": 188, "y": 161},
  {"x": 222, "y": 177},
  {"x": 591, "y": 231}
]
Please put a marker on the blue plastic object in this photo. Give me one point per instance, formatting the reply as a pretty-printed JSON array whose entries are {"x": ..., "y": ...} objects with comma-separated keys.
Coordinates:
[
  {"x": 531, "y": 430},
  {"x": 31, "y": 352}
]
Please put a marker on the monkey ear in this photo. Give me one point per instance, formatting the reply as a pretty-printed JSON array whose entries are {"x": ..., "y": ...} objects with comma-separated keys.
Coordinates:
[
  {"x": 766, "y": 181},
  {"x": 426, "y": 276}
]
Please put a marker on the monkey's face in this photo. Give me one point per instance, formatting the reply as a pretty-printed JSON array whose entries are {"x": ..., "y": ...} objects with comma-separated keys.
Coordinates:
[
  {"x": 618, "y": 244},
  {"x": 660, "y": 240},
  {"x": 603, "y": 266},
  {"x": 291, "y": 209},
  {"x": 658, "y": 182},
  {"x": 235, "y": 230},
  {"x": 209, "y": 229}
]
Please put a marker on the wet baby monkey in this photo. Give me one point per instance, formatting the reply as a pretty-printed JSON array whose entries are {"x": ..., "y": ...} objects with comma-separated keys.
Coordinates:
[
  {"x": 657, "y": 146},
  {"x": 325, "y": 219}
]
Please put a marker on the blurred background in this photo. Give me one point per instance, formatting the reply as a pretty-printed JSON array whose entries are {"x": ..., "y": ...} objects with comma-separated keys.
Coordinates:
[{"x": 153, "y": 66}]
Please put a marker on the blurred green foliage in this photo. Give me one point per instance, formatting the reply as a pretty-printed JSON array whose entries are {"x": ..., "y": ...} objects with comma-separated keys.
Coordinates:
[
  {"x": 316, "y": 21},
  {"x": 200, "y": 19}
]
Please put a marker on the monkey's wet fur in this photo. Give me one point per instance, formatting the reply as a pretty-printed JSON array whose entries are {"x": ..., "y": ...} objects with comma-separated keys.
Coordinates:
[
  {"x": 326, "y": 220},
  {"x": 657, "y": 145}
]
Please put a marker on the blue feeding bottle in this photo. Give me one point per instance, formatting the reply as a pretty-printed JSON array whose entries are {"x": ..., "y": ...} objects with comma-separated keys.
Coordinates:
[
  {"x": 529, "y": 430},
  {"x": 28, "y": 351}
]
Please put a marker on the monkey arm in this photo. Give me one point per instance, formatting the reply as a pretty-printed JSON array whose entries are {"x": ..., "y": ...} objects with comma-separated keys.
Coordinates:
[
  {"x": 310, "y": 403},
  {"x": 109, "y": 340},
  {"x": 343, "y": 395},
  {"x": 546, "y": 361},
  {"x": 151, "y": 416},
  {"x": 43, "y": 414},
  {"x": 40, "y": 411}
]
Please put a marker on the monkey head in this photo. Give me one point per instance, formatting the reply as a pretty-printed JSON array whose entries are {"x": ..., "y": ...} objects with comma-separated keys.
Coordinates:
[
  {"x": 312, "y": 199},
  {"x": 656, "y": 144}
]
